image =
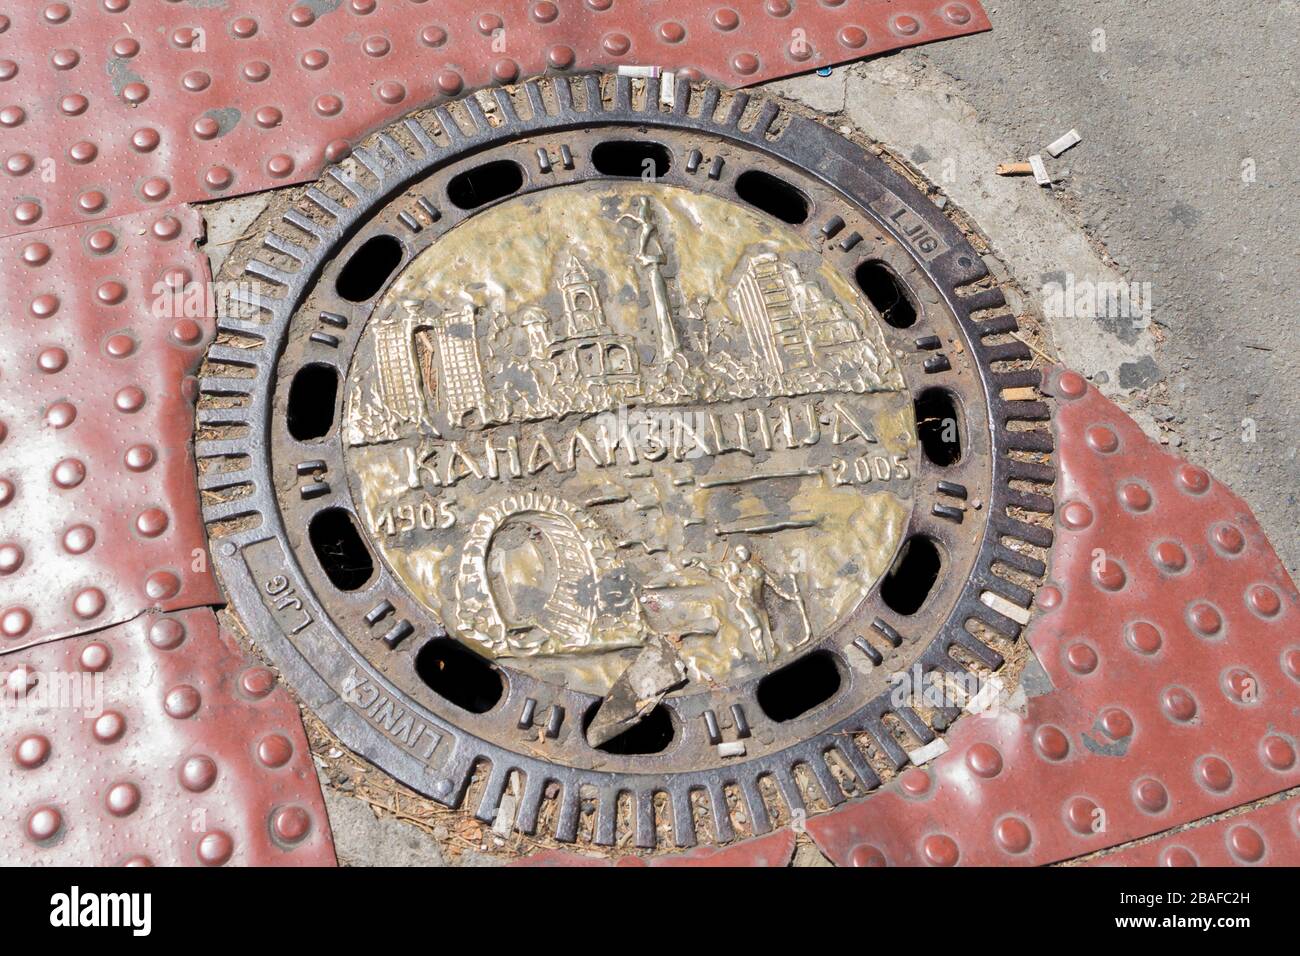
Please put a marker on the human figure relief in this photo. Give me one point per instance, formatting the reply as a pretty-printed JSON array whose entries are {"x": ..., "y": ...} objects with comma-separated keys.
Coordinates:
[{"x": 743, "y": 578}]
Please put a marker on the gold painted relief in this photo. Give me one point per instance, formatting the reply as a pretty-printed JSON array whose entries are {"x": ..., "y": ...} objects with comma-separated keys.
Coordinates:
[{"x": 610, "y": 411}]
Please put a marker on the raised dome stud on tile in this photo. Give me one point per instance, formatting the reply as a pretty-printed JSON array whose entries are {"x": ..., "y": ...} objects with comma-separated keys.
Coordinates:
[
  {"x": 1013, "y": 834},
  {"x": 915, "y": 782},
  {"x": 151, "y": 522},
  {"x": 1135, "y": 497},
  {"x": 1084, "y": 816},
  {"x": 1263, "y": 600},
  {"x": 11, "y": 557},
  {"x": 198, "y": 773},
  {"x": 257, "y": 682},
  {"x": 867, "y": 855},
  {"x": 1082, "y": 658},
  {"x": 1076, "y": 515},
  {"x": 274, "y": 750},
  {"x": 44, "y": 824},
  {"x": 32, "y": 751},
  {"x": 1205, "y": 619},
  {"x": 290, "y": 824},
  {"x": 95, "y": 657},
  {"x": 122, "y": 799},
  {"x": 1108, "y": 574},
  {"x": 1150, "y": 795},
  {"x": 1052, "y": 743},
  {"x": 1246, "y": 844},
  {"x": 1170, "y": 557},
  {"x": 1179, "y": 704},
  {"x": 984, "y": 760},
  {"x": 109, "y": 727},
  {"x": 940, "y": 850},
  {"x": 1102, "y": 439},
  {"x": 1227, "y": 539},
  {"x": 1278, "y": 752},
  {"x": 215, "y": 848},
  {"x": 1214, "y": 774},
  {"x": 182, "y": 702},
  {"x": 1193, "y": 480}
]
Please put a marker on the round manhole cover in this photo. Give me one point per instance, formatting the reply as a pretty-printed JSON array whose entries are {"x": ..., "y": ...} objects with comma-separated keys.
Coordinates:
[{"x": 638, "y": 451}]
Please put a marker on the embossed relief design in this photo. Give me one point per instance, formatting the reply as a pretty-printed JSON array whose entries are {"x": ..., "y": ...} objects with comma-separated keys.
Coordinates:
[{"x": 611, "y": 410}]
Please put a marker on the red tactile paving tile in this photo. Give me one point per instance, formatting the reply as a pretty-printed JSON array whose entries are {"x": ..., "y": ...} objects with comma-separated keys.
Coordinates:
[
  {"x": 1169, "y": 630},
  {"x": 176, "y": 750},
  {"x": 1266, "y": 836},
  {"x": 774, "y": 849},
  {"x": 113, "y": 106},
  {"x": 99, "y": 515}
]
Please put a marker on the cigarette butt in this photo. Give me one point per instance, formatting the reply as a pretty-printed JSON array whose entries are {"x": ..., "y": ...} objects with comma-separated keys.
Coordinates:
[
  {"x": 1072, "y": 138},
  {"x": 639, "y": 71},
  {"x": 1040, "y": 170},
  {"x": 923, "y": 755},
  {"x": 668, "y": 89},
  {"x": 1014, "y": 169},
  {"x": 1019, "y": 394}
]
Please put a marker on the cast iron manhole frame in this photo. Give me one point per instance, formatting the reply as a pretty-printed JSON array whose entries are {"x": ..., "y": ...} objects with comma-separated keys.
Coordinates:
[{"x": 254, "y": 548}]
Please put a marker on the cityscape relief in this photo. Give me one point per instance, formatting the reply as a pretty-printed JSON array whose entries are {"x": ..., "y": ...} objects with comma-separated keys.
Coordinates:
[{"x": 473, "y": 358}]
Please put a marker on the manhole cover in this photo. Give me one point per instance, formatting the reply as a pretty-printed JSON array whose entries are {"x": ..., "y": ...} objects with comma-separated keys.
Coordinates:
[{"x": 633, "y": 449}]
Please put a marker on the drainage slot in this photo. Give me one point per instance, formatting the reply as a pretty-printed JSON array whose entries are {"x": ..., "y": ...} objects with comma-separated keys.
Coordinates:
[
  {"x": 339, "y": 549},
  {"x": 457, "y": 674},
  {"x": 369, "y": 268},
  {"x": 632, "y": 158},
  {"x": 311, "y": 401},
  {"x": 799, "y": 687},
  {"x": 773, "y": 195},
  {"x": 937, "y": 426},
  {"x": 912, "y": 577},
  {"x": 652, "y": 735},
  {"x": 485, "y": 184},
  {"x": 886, "y": 292}
]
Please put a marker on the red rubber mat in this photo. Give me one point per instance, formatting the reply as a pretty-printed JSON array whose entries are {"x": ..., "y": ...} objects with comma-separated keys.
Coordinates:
[
  {"x": 1168, "y": 630},
  {"x": 111, "y": 107},
  {"x": 155, "y": 741},
  {"x": 99, "y": 516},
  {"x": 1266, "y": 836}
]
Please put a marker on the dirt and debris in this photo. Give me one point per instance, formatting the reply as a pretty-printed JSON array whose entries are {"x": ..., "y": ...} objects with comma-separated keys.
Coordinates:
[{"x": 462, "y": 839}]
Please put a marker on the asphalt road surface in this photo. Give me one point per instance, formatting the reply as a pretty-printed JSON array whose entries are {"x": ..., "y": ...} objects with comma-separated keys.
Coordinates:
[{"x": 1189, "y": 177}]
